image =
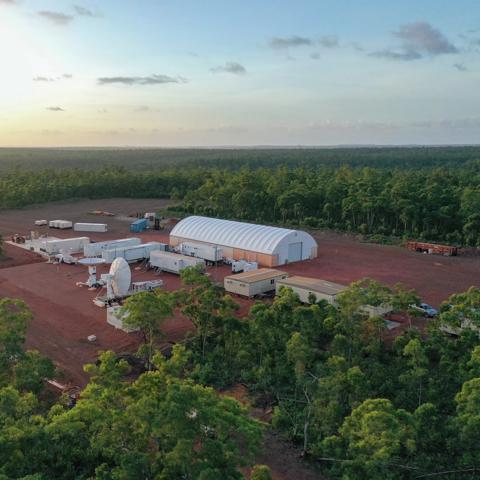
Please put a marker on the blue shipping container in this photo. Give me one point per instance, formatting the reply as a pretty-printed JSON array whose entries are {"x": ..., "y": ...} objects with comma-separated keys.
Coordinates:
[{"x": 139, "y": 225}]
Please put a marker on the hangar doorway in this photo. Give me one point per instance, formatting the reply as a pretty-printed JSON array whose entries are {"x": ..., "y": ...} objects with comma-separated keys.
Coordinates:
[{"x": 294, "y": 252}]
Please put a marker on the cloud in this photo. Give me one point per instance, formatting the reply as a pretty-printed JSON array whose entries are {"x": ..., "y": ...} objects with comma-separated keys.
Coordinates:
[
  {"x": 57, "y": 18},
  {"x": 460, "y": 67},
  {"x": 55, "y": 109},
  {"x": 289, "y": 42},
  {"x": 315, "y": 56},
  {"x": 328, "y": 41},
  {"x": 142, "y": 108},
  {"x": 149, "y": 80},
  {"x": 8, "y": 2},
  {"x": 397, "y": 54},
  {"x": 43, "y": 79},
  {"x": 418, "y": 39},
  {"x": 65, "y": 76},
  {"x": 230, "y": 67},
  {"x": 85, "y": 12}
]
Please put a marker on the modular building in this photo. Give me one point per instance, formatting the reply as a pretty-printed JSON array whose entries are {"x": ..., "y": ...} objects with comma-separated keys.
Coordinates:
[
  {"x": 62, "y": 224},
  {"x": 139, "y": 225},
  {"x": 96, "y": 249},
  {"x": 173, "y": 262},
  {"x": 90, "y": 227},
  {"x": 133, "y": 253},
  {"x": 305, "y": 287},
  {"x": 268, "y": 246},
  {"x": 68, "y": 245},
  {"x": 211, "y": 253},
  {"x": 254, "y": 282}
]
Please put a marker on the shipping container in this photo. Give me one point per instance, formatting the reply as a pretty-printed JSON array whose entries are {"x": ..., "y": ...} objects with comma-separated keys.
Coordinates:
[
  {"x": 40, "y": 223},
  {"x": 173, "y": 262},
  {"x": 90, "y": 227},
  {"x": 133, "y": 253},
  {"x": 68, "y": 245},
  {"x": 139, "y": 225},
  {"x": 96, "y": 249},
  {"x": 211, "y": 253},
  {"x": 255, "y": 282}
]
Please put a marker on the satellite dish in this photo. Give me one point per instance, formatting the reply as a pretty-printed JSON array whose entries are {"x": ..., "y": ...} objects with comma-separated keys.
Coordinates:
[{"x": 121, "y": 276}]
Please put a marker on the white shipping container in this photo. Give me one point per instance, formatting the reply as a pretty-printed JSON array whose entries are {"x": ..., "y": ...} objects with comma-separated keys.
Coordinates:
[
  {"x": 90, "y": 227},
  {"x": 95, "y": 249},
  {"x": 39, "y": 223},
  {"x": 173, "y": 262},
  {"x": 134, "y": 253},
  {"x": 70, "y": 245},
  {"x": 212, "y": 253}
]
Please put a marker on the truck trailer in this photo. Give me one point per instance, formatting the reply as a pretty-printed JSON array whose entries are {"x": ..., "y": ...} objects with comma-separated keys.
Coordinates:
[
  {"x": 133, "y": 253},
  {"x": 173, "y": 262},
  {"x": 210, "y": 253},
  {"x": 67, "y": 245},
  {"x": 96, "y": 249}
]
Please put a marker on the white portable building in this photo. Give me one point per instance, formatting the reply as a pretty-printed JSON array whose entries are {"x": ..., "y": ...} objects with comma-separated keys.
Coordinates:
[
  {"x": 305, "y": 287},
  {"x": 211, "y": 253},
  {"x": 40, "y": 223},
  {"x": 133, "y": 253},
  {"x": 269, "y": 246},
  {"x": 96, "y": 249},
  {"x": 254, "y": 282},
  {"x": 62, "y": 224},
  {"x": 67, "y": 245},
  {"x": 90, "y": 227},
  {"x": 173, "y": 262}
]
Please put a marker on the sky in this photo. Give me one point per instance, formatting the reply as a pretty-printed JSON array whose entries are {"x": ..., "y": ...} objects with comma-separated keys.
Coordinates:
[{"x": 239, "y": 72}]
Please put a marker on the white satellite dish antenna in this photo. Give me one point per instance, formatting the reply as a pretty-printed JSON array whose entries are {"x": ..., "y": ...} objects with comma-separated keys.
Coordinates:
[
  {"x": 118, "y": 278},
  {"x": 91, "y": 263}
]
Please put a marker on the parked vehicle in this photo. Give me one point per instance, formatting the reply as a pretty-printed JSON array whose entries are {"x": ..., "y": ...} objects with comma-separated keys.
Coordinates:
[{"x": 426, "y": 309}]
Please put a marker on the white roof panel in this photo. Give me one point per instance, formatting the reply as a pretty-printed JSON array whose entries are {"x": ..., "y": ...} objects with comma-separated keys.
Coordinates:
[{"x": 247, "y": 236}]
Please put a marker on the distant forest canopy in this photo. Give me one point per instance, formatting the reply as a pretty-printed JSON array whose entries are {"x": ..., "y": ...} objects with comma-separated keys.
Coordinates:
[
  {"x": 147, "y": 159},
  {"x": 424, "y": 193}
]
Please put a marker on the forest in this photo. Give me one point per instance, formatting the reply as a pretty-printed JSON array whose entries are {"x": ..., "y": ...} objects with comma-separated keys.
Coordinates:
[
  {"x": 356, "y": 406},
  {"x": 430, "y": 194}
]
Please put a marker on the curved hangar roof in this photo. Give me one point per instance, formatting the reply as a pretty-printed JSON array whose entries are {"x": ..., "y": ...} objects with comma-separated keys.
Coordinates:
[{"x": 245, "y": 236}]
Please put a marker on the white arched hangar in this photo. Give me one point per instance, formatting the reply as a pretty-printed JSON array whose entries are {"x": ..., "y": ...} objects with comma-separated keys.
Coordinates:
[{"x": 269, "y": 246}]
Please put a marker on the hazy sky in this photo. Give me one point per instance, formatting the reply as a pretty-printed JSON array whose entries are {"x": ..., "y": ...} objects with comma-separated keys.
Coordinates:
[{"x": 239, "y": 72}]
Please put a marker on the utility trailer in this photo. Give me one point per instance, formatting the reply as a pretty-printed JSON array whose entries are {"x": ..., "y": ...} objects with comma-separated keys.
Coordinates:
[
  {"x": 432, "y": 248},
  {"x": 173, "y": 262},
  {"x": 133, "y": 253},
  {"x": 96, "y": 249},
  {"x": 90, "y": 227},
  {"x": 210, "y": 253}
]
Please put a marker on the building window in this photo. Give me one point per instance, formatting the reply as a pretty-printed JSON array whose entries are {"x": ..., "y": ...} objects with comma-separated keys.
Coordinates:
[{"x": 272, "y": 281}]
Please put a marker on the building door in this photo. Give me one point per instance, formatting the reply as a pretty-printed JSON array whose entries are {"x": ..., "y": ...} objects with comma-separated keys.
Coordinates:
[{"x": 294, "y": 252}]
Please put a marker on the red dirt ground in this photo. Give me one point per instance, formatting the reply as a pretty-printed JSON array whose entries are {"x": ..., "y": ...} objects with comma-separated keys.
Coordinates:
[
  {"x": 343, "y": 259},
  {"x": 15, "y": 256}
]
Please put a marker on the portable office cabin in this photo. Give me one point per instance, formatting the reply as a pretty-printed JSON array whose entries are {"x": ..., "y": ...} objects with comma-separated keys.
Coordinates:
[
  {"x": 96, "y": 249},
  {"x": 305, "y": 287},
  {"x": 254, "y": 282},
  {"x": 173, "y": 262},
  {"x": 268, "y": 246},
  {"x": 139, "y": 225},
  {"x": 61, "y": 224}
]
